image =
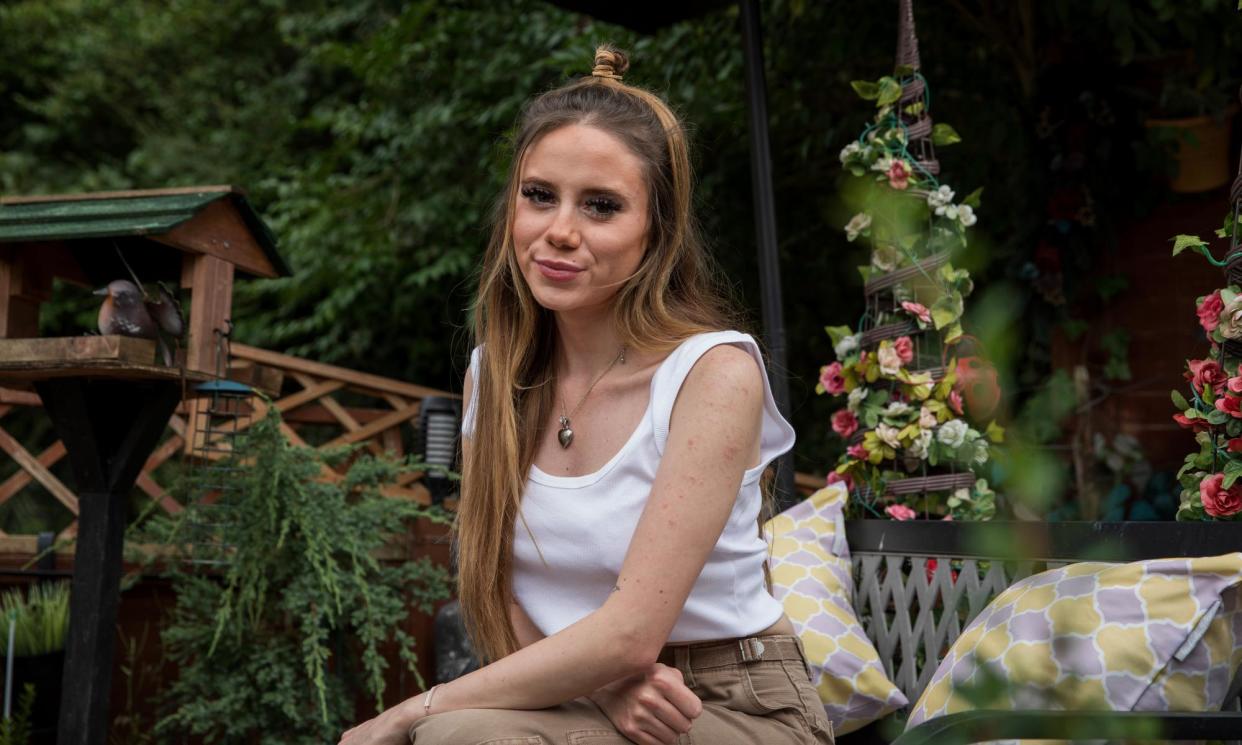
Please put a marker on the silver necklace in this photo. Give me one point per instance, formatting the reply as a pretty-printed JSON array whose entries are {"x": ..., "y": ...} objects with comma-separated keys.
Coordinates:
[{"x": 565, "y": 435}]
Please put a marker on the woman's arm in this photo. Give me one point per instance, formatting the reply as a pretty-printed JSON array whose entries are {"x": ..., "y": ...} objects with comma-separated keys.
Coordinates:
[{"x": 713, "y": 438}]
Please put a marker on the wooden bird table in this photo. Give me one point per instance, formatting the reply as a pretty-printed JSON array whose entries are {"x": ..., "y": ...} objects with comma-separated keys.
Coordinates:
[{"x": 109, "y": 403}]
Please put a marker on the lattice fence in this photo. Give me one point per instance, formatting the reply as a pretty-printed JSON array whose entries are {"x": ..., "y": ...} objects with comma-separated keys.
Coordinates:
[
  {"x": 322, "y": 406},
  {"x": 915, "y": 607}
]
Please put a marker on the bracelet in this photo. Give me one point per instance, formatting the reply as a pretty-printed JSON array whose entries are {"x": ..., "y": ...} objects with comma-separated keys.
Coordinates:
[{"x": 427, "y": 701}]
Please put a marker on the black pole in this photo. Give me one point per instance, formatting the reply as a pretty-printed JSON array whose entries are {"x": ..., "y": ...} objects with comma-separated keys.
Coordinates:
[
  {"x": 765, "y": 230},
  {"x": 109, "y": 428}
]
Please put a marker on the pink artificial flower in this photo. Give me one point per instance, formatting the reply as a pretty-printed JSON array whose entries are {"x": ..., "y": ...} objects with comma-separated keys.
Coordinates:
[
  {"x": 905, "y": 349},
  {"x": 1234, "y": 445},
  {"x": 1219, "y": 502},
  {"x": 836, "y": 478},
  {"x": 1209, "y": 311},
  {"x": 899, "y": 174},
  {"x": 831, "y": 378},
  {"x": 1231, "y": 405},
  {"x": 857, "y": 452},
  {"x": 844, "y": 422},
  {"x": 900, "y": 512},
  {"x": 1206, "y": 374},
  {"x": 917, "y": 310},
  {"x": 1235, "y": 383},
  {"x": 1198, "y": 425},
  {"x": 955, "y": 401}
]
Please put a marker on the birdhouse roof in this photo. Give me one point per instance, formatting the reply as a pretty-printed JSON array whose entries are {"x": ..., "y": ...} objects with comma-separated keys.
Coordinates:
[{"x": 215, "y": 220}]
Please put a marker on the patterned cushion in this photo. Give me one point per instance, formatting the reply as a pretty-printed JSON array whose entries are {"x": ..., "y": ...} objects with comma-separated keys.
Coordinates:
[
  {"x": 811, "y": 577},
  {"x": 1152, "y": 635}
]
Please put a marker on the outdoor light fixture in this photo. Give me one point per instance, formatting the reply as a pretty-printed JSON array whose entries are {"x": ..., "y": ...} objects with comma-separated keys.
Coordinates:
[{"x": 439, "y": 421}]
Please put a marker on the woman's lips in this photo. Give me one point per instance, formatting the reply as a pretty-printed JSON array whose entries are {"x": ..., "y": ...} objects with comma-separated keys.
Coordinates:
[{"x": 556, "y": 271}]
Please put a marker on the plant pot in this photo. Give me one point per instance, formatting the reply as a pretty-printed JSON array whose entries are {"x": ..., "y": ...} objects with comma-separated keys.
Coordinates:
[
  {"x": 1202, "y": 154},
  {"x": 45, "y": 672}
]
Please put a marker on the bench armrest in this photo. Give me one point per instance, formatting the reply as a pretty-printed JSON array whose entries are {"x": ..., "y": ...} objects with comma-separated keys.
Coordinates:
[{"x": 981, "y": 726}]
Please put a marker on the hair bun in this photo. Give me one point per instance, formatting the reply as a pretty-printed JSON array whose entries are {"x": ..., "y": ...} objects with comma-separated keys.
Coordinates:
[{"x": 610, "y": 62}]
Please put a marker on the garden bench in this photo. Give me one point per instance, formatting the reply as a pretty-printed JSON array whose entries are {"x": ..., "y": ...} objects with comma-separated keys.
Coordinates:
[{"x": 913, "y": 615}]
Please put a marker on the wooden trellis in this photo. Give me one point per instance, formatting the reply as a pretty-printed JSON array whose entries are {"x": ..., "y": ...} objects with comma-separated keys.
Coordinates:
[{"x": 338, "y": 405}]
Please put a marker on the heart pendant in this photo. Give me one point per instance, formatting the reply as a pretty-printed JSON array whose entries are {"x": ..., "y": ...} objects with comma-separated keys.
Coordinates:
[{"x": 566, "y": 436}]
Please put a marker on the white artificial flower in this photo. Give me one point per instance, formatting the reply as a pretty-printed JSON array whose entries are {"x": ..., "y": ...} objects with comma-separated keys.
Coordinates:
[
  {"x": 940, "y": 198},
  {"x": 888, "y": 435},
  {"x": 980, "y": 455},
  {"x": 959, "y": 496},
  {"x": 882, "y": 164},
  {"x": 966, "y": 215},
  {"x": 918, "y": 448},
  {"x": 897, "y": 408},
  {"x": 844, "y": 347},
  {"x": 849, "y": 150},
  {"x": 949, "y": 210},
  {"x": 953, "y": 433},
  {"x": 857, "y": 224},
  {"x": 890, "y": 361},
  {"x": 927, "y": 418},
  {"x": 885, "y": 257},
  {"x": 857, "y": 396}
]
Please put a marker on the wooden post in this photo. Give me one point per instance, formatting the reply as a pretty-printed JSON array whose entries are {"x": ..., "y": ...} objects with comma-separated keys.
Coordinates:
[
  {"x": 210, "y": 281},
  {"x": 109, "y": 428}
]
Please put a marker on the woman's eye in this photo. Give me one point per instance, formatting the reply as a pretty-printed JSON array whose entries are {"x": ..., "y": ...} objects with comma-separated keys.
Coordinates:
[
  {"x": 603, "y": 206},
  {"x": 537, "y": 194}
]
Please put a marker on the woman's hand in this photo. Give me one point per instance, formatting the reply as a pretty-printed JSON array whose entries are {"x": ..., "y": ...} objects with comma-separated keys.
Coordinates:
[
  {"x": 652, "y": 707},
  {"x": 390, "y": 728}
]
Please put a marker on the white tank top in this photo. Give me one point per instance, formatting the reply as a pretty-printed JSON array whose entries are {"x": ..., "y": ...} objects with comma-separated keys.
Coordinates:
[{"x": 584, "y": 524}]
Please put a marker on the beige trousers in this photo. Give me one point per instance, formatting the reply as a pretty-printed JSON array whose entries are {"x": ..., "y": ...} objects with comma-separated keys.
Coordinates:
[{"x": 754, "y": 691}]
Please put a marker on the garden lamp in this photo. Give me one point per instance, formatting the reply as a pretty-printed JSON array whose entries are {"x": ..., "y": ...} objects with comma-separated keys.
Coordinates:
[{"x": 438, "y": 425}]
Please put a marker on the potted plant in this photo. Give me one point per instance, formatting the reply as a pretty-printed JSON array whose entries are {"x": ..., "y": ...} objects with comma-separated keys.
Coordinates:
[
  {"x": 1193, "y": 116},
  {"x": 40, "y": 619}
]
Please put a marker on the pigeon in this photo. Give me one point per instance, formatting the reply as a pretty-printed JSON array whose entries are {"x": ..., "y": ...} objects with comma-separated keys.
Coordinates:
[{"x": 128, "y": 311}]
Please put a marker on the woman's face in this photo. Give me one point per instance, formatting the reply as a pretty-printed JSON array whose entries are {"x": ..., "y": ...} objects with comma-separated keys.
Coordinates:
[{"x": 580, "y": 225}]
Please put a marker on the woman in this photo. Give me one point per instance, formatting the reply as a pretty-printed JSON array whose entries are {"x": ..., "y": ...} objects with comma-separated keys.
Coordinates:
[{"x": 615, "y": 433}]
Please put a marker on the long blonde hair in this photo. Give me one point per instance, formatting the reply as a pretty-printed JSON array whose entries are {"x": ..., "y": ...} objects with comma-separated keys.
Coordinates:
[{"x": 674, "y": 294}]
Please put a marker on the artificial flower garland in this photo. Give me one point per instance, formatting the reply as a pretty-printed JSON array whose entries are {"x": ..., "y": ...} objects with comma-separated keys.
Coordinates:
[
  {"x": 1213, "y": 412},
  {"x": 907, "y": 419}
]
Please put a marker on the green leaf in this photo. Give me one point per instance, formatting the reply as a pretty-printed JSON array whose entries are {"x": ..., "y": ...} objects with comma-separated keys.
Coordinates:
[
  {"x": 1226, "y": 228},
  {"x": 903, "y": 71},
  {"x": 946, "y": 310},
  {"x": 1179, "y": 401},
  {"x": 1234, "y": 427},
  {"x": 1193, "y": 414},
  {"x": 1183, "y": 242},
  {"x": 837, "y": 333},
  {"x": 866, "y": 89},
  {"x": 889, "y": 91},
  {"x": 952, "y": 333},
  {"x": 943, "y": 134},
  {"x": 1216, "y": 416},
  {"x": 1233, "y": 469},
  {"x": 974, "y": 199}
]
